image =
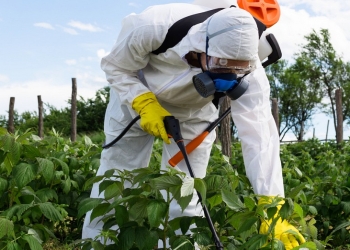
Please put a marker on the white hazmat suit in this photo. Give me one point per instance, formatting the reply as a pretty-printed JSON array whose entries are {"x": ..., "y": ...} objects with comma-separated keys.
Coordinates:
[{"x": 169, "y": 77}]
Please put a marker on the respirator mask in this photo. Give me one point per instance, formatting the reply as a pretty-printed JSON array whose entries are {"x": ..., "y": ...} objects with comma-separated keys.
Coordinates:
[{"x": 221, "y": 75}]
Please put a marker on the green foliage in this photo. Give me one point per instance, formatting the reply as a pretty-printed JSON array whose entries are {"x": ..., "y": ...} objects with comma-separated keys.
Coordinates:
[
  {"x": 142, "y": 209},
  {"x": 91, "y": 112},
  {"x": 45, "y": 186},
  {"x": 41, "y": 184},
  {"x": 316, "y": 177}
]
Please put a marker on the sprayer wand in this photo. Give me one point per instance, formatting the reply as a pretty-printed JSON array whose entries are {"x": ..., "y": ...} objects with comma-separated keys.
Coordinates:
[{"x": 172, "y": 127}]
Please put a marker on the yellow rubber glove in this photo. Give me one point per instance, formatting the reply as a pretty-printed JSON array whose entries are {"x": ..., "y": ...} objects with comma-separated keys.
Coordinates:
[
  {"x": 289, "y": 240},
  {"x": 152, "y": 115}
]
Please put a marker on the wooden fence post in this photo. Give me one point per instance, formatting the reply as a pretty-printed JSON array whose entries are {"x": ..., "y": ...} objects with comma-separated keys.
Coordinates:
[
  {"x": 275, "y": 113},
  {"x": 73, "y": 133},
  {"x": 339, "y": 110},
  {"x": 225, "y": 128},
  {"x": 41, "y": 119},
  {"x": 11, "y": 122}
]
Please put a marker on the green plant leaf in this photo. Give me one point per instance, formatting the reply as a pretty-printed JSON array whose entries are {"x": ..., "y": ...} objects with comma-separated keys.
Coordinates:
[
  {"x": 45, "y": 231},
  {"x": 343, "y": 225},
  {"x": 236, "y": 219},
  {"x": 35, "y": 234},
  {"x": 6, "y": 227},
  {"x": 182, "y": 243},
  {"x": 31, "y": 151},
  {"x": 121, "y": 215},
  {"x": 46, "y": 167},
  {"x": 139, "y": 210},
  {"x": 113, "y": 190},
  {"x": 23, "y": 138},
  {"x": 33, "y": 242},
  {"x": 219, "y": 215},
  {"x": 185, "y": 223},
  {"x": 36, "y": 138},
  {"x": 3, "y": 131},
  {"x": 232, "y": 200},
  {"x": 346, "y": 206},
  {"x": 104, "y": 184},
  {"x": 28, "y": 191},
  {"x": 187, "y": 187},
  {"x": 298, "y": 210},
  {"x": 156, "y": 211},
  {"x": 96, "y": 245},
  {"x": 249, "y": 202},
  {"x": 313, "y": 210},
  {"x": 66, "y": 185},
  {"x": 92, "y": 180},
  {"x": 123, "y": 200},
  {"x": 247, "y": 224},
  {"x": 215, "y": 200},
  {"x": 88, "y": 204},
  {"x": 87, "y": 141},
  {"x": 12, "y": 148},
  {"x": 24, "y": 173},
  {"x": 184, "y": 201},
  {"x": 3, "y": 185},
  {"x": 287, "y": 208},
  {"x": 142, "y": 235},
  {"x": 17, "y": 210},
  {"x": 100, "y": 210},
  {"x": 202, "y": 237},
  {"x": 151, "y": 241},
  {"x": 13, "y": 246},
  {"x": 306, "y": 245},
  {"x": 126, "y": 238},
  {"x": 215, "y": 182},
  {"x": 165, "y": 182},
  {"x": 50, "y": 212},
  {"x": 255, "y": 242},
  {"x": 7, "y": 163},
  {"x": 312, "y": 230},
  {"x": 200, "y": 186},
  {"x": 5, "y": 142},
  {"x": 295, "y": 191},
  {"x": 63, "y": 165}
]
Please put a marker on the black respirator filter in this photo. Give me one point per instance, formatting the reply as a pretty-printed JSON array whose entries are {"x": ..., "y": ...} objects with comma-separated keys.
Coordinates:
[
  {"x": 205, "y": 86},
  {"x": 238, "y": 90}
]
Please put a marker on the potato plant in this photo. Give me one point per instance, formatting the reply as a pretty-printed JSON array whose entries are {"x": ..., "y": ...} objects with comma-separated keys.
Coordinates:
[
  {"x": 137, "y": 217},
  {"x": 41, "y": 185},
  {"x": 45, "y": 186}
]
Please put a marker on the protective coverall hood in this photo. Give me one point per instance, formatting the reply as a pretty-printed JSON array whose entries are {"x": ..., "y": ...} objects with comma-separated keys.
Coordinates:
[
  {"x": 215, "y": 4},
  {"x": 233, "y": 34}
]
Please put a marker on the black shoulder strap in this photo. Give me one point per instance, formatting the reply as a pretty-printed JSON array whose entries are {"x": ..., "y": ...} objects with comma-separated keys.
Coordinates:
[
  {"x": 180, "y": 28},
  {"x": 261, "y": 26}
]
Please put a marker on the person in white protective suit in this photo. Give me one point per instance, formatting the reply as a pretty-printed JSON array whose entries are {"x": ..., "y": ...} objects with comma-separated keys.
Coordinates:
[{"x": 167, "y": 89}]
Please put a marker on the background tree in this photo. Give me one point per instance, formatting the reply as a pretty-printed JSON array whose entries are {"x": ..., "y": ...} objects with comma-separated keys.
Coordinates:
[
  {"x": 326, "y": 66},
  {"x": 91, "y": 112},
  {"x": 345, "y": 83},
  {"x": 300, "y": 96},
  {"x": 297, "y": 94}
]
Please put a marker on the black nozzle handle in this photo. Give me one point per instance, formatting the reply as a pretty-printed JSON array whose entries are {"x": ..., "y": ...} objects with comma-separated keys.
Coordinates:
[{"x": 172, "y": 127}]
